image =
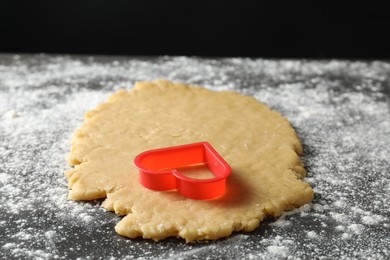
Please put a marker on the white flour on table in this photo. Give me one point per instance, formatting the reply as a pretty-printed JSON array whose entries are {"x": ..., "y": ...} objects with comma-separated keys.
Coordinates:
[{"x": 340, "y": 110}]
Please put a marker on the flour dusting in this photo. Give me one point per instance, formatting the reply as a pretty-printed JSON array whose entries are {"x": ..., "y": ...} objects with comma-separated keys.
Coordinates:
[{"x": 340, "y": 110}]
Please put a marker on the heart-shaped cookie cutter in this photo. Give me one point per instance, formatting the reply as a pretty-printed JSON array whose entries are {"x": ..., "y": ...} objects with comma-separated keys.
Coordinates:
[{"x": 158, "y": 170}]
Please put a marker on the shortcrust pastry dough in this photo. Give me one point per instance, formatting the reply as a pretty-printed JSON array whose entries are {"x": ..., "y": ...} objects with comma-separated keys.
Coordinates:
[{"x": 259, "y": 144}]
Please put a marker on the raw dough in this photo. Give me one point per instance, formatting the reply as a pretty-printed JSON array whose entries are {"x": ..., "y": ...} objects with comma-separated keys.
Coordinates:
[{"x": 259, "y": 144}]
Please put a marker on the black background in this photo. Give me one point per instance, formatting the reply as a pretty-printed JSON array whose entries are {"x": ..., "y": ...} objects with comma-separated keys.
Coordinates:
[{"x": 210, "y": 28}]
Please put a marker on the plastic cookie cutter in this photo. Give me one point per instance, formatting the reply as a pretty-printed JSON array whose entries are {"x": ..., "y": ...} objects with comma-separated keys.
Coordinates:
[{"x": 158, "y": 170}]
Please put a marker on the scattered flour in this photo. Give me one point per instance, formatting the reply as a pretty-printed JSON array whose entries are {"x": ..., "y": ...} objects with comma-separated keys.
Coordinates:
[
  {"x": 346, "y": 236},
  {"x": 339, "y": 109},
  {"x": 340, "y": 217},
  {"x": 356, "y": 228},
  {"x": 278, "y": 250},
  {"x": 372, "y": 220},
  {"x": 312, "y": 234},
  {"x": 340, "y": 204},
  {"x": 281, "y": 222},
  {"x": 340, "y": 228}
]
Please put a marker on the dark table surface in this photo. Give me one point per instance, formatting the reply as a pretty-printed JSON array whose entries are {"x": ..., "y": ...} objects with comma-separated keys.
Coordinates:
[{"x": 340, "y": 109}]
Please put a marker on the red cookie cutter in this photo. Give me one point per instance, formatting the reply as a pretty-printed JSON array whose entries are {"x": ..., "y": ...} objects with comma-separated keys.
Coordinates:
[{"x": 157, "y": 170}]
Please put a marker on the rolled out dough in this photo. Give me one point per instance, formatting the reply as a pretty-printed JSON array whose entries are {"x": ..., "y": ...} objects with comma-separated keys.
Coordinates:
[{"x": 259, "y": 144}]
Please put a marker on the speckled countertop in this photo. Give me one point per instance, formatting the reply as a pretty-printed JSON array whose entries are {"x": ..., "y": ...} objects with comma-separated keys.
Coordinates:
[{"x": 340, "y": 109}]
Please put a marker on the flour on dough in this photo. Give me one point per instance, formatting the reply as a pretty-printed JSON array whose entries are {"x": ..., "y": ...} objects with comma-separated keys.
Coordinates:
[{"x": 259, "y": 144}]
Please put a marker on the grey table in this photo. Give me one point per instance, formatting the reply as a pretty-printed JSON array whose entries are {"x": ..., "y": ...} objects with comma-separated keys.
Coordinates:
[{"x": 340, "y": 110}]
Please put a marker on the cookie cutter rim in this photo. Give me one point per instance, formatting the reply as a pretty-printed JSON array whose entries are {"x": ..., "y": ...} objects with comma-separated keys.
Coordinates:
[{"x": 152, "y": 174}]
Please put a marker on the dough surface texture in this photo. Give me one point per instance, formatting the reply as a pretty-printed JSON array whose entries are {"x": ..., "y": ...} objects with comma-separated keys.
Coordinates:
[{"x": 259, "y": 144}]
